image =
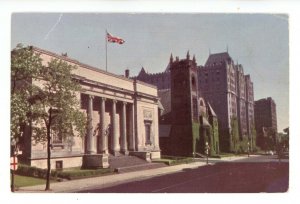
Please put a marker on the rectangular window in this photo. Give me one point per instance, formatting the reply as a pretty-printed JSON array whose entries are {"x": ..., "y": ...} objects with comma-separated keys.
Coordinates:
[
  {"x": 56, "y": 137},
  {"x": 148, "y": 132},
  {"x": 59, "y": 165},
  {"x": 195, "y": 109}
]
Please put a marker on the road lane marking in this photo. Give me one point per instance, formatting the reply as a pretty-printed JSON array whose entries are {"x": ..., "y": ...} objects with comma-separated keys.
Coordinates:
[{"x": 207, "y": 176}]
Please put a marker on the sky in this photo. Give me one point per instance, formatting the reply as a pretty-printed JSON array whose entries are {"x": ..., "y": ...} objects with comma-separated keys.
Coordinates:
[{"x": 260, "y": 42}]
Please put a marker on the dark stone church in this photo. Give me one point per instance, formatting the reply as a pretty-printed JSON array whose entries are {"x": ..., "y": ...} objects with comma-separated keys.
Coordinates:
[{"x": 187, "y": 121}]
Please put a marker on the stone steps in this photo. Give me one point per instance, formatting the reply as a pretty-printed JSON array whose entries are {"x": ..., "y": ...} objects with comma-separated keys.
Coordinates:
[
  {"x": 139, "y": 167},
  {"x": 126, "y": 163}
]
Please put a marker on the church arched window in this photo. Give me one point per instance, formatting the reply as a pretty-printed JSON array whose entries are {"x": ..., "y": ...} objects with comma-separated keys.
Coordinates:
[{"x": 193, "y": 83}]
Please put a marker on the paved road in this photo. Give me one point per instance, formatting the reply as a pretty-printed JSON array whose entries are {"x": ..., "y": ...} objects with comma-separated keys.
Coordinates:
[
  {"x": 247, "y": 176},
  {"x": 192, "y": 177}
]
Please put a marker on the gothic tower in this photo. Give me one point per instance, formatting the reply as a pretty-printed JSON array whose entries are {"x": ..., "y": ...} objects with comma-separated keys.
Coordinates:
[{"x": 184, "y": 105}]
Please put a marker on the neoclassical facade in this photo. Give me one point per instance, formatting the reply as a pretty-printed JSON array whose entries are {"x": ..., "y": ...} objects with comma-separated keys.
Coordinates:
[{"x": 122, "y": 119}]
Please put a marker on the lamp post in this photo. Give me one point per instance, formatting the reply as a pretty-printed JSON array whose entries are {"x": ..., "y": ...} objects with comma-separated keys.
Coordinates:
[
  {"x": 206, "y": 151},
  {"x": 248, "y": 149}
]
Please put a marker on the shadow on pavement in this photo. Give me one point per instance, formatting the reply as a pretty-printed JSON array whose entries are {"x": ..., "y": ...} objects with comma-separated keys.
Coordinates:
[{"x": 237, "y": 177}]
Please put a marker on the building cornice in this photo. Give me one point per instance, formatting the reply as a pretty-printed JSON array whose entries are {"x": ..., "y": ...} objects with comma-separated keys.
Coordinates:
[
  {"x": 68, "y": 59},
  {"x": 101, "y": 85}
]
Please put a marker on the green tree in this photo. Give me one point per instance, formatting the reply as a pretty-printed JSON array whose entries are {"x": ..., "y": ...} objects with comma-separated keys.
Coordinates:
[
  {"x": 253, "y": 140},
  {"x": 271, "y": 139},
  {"x": 56, "y": 108},
  {"x": 25, "y": 65},
  {"x": 234, "y": 134},
  {"x": 283, "y": 142},
  {"x": 286, "y": 138}
]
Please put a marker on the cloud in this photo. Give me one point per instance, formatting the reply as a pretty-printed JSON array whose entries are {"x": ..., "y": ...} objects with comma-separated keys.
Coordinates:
[{"x": 53, "y": 27}]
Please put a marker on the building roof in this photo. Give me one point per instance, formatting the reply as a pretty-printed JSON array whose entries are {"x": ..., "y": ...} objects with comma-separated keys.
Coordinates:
[
  {"x": 168, "y": 68},
  {"x": 160, "y": 106},
  {"x": 265, "y": 99},
  {"x": 142, "y": 73},
  {"x": 212, "y": 112},
  {"x": 217, "y": 58},
  {"x": 76, "y": 62},
  {"x": 86, "y": 66},
  {"x": 165, "y": 99},
  {"x": 205, "y": 122}
]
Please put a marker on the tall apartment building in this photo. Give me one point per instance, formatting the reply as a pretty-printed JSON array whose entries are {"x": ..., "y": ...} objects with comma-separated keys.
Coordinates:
[
  {"x": 230, "y": 93},
  {"x": 250, "y": 110},
  {"x": 265, "y": 119},
  {"x": 241, "y": 100}
]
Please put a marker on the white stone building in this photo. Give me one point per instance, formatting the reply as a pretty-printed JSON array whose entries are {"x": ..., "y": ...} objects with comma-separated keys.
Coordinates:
[{"x": 123, "y": 115}]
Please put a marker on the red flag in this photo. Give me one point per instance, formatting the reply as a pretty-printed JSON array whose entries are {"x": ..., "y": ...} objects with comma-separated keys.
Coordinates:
[{"x": 114, "y": 39}]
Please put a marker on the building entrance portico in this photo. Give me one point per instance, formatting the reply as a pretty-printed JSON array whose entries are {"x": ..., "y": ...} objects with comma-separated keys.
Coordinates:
[{"x": 109, "y": 129}]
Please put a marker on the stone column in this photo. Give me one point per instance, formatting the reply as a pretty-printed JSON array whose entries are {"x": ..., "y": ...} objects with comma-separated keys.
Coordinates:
[
  {"x": 91, "y": 160},
  {"x": 156, "y": 131},
  {"x": 103, "y": 138},
  {"x": 123, "y": 130},
  {"x": 131, "y": 128},
  {"x": 115, "y": 139},
  {"x": 89, "y": 139}
]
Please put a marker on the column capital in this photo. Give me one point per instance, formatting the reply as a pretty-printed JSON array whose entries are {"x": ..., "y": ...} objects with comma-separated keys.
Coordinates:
[
  {"x": 124, "y": 102},
  {"x": 103, "y": 98},
  {"x": 114, "y": 101},
  {"x": 91, "y": 96}
]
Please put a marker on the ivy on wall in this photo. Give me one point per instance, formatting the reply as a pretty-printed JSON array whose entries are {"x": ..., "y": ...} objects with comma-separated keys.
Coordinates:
[
  {"x": 205, "y": 134},
  {"x": 234, "y": 146},
  {"x": 215, "y": 135},
  {"x": 196, "y": 136},
  {"x": 253, "y": 132}
]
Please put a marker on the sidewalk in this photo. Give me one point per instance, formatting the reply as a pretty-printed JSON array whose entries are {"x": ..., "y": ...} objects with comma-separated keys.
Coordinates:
[{"x": 115, "y": 179}]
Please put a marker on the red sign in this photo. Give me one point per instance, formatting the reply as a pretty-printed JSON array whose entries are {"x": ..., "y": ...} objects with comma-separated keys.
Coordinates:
[{"x": 14, "y": 163}]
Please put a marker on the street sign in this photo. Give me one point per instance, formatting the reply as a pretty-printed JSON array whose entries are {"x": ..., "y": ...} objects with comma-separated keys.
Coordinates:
[{"x": 13, "y": 163}]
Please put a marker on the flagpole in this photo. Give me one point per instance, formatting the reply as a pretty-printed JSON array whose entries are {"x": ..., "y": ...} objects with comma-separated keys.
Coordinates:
[{"x": 106, "y": 50}]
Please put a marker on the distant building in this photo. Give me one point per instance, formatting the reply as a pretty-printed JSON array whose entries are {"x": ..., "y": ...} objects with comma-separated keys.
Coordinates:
[
  {"x": 230, "y": 93},
  {"x": 160, "y": 80},
  {"x": 250, "y": 111},
  {"x": 265, "y": 119},
  {"x": 228, "y": 90}
]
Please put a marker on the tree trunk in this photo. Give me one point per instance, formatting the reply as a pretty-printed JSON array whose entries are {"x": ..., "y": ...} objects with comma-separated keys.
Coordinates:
[
  {"x": 12, "y": 181},
  {"x": 48, "y": 151}
]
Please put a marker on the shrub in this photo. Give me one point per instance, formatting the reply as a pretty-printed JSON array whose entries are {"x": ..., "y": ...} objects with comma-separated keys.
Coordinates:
[
  {"x": 32, "y": 171},
  {"x": 173, "y": 160},
  {"x": 74, "y": 174}
]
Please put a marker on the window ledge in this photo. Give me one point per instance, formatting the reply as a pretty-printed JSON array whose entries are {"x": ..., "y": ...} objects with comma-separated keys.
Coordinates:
[{"x": 57, "y": 145}]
